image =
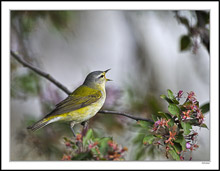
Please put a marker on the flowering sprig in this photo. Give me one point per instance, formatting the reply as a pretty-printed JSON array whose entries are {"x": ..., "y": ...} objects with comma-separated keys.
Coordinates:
[
  {"x": 89, "y": 147},
  {"x": 173, "y": 130}
]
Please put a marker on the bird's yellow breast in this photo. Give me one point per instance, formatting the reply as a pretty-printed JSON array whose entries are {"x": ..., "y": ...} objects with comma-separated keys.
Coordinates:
[{"x": 85, "y": 113}]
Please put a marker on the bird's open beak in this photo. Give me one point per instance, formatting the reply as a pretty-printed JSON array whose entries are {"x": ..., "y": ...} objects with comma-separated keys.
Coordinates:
[
  {"x": 107, "y": 70},
  {"x": 105, "y": 73}
]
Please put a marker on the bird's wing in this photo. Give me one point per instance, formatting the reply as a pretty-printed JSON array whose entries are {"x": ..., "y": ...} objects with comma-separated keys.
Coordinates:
[{"x": 81, "y": 97}]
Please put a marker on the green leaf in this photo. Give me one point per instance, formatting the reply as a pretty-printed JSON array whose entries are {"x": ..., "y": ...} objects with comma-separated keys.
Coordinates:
[
  {"x": 204, "y": 126},
  {"x": 154, "y": 117},
  {"x": 166, "y": 98},
  {"x": 145, "y": 124},
  {"x": 83, "y": 156},
  {"x": 186, "y": 126},
  {"x": 184, "y": 21},
  {"x": 171, "y": 122},
  {"x": 205, "y": 108},
  {"x": 163, "y": 115},
  {"x": 148, "y": 139},
  {"x": 174, "y": 109},
  {"x": 170, "y": 101},
  {"x": 174, "y": 154},
  {"x": 177, "y": 147},
  {"x": 88, "y": 136},
  {"x": 204, "y": 16},
  {"x": 170, "y": 94},
  {"x": 104, "y": 145},
  {"x": 180, "y": 139},
  {"x": 175, "y": 101},
  {"x": 185, "y": 42},
  {"x": 163, "y": 96}
]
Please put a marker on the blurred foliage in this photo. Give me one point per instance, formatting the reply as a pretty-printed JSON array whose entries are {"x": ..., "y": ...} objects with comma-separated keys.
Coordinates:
[
  {"x": 200, "y": 31},
  {"x": 205, "y": 108},
  {"x": 147, "y": 103},
  {"x": 89, "y": 147},
  {"x": 42, "y": 143},
  {"x": 173, "y": 131},
  {"x": 107, "y": 121},
  {"x": 28, "y": 19},
  {"x": 185, "y": 43},
  {"x": 140, "y": 151},
  {"x": 26, "y": 85}
]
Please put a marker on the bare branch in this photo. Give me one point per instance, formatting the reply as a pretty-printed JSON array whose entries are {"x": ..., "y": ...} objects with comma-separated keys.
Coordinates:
[
  {"x": 62, "y": 87},
  {"x": 126, "y": 115}
]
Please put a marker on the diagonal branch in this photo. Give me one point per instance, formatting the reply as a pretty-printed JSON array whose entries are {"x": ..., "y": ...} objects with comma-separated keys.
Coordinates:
[
  {"x": 38, "y": 71},
  {"x": 62, "y": 87}
]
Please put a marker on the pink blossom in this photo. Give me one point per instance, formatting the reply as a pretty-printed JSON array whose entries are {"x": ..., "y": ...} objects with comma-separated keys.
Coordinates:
[
  {"x": 157, "y": 123},
  {"x": 191, "y": 97},
  {"x": 188, "y": 145},
  {"x": 180, "y": 93}
]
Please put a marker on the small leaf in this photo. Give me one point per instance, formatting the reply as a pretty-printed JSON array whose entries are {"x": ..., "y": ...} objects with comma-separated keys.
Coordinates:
[
  {"x": 205, "y": 108},
  {"x": 154, "y": 117},
  {"x": 163, "y": 115},
  {"x": 170, "y": 94},
  {"x": 65, "y": 139},
  {"x": 148, "y": 139},
  {"x": 184, "y": 21},
  {"x": 168, "y": 116},
  {"x": 175, "y": 101},
  {"x": 163, "y": 96},
  {"x": 166, "y": 98},
  {"x": 186, "y": 126},
  {"x": 180, "y": 139},
  {"x": 174, "y": 154},
  {"x": 177, "y": 147},
  {"x": 83, "y": 156},
  {"x": 185, "y": 42},
  {"x": 89, "y": 135},
  {"x": 204, "y": 126},
  {"x": 174, "y": 109},
  {"x": 145, "y": 124},
  {"x": 104, "y": 145}
]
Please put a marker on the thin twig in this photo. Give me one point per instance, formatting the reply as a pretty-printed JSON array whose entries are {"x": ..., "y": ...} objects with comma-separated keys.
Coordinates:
[
  {"x": 62, "y": 87},
  {"x": 125, "y": 114}
]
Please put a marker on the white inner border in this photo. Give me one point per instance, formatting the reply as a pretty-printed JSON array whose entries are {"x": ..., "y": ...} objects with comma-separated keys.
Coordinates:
[{"x": 214, "y": 59}]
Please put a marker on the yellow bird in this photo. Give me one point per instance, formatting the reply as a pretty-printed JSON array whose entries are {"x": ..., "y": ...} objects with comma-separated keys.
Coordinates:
[{"x": 81, "y": 104}]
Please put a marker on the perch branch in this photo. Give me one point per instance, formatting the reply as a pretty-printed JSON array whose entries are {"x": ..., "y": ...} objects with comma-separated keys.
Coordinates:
[
  {"x": 126, "y": 115},
  {"x": 62, "y": 87}
]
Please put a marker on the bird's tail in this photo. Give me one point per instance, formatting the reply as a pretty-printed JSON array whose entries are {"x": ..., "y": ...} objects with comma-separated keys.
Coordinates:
[{"x": 40, "y": 124}]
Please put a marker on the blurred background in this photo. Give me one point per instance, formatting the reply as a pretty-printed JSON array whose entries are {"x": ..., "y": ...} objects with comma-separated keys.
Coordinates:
[{"x": 148, "y": 52}]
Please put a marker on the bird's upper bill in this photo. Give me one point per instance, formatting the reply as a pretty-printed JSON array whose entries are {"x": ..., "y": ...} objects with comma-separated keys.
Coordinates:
[{"x": 105, "y": 73}]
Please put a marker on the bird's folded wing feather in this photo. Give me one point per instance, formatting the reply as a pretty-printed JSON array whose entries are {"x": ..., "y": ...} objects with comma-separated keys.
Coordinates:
[{"x": 81, "y": 97}]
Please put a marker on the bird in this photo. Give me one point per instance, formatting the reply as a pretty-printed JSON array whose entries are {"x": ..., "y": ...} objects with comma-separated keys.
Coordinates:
[{"x": 80, "y": 105}]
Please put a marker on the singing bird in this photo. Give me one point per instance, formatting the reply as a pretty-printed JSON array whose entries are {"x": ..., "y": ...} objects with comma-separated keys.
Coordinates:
[{"x": 81, "y": 104}]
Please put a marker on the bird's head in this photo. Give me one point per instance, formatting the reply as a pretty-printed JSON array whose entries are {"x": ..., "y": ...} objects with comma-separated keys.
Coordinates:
[{"x": 96, "y": 79}]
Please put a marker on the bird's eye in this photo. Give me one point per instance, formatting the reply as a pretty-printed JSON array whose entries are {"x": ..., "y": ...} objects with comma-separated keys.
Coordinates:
[{"x": 101, "y": 76}]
